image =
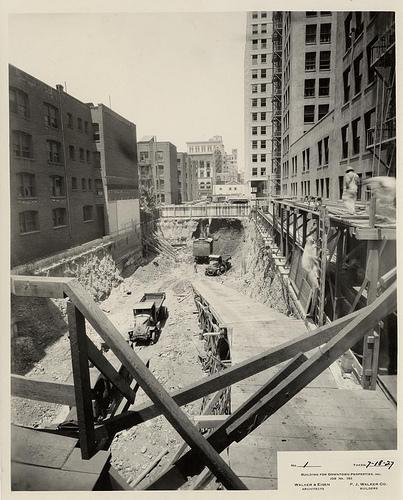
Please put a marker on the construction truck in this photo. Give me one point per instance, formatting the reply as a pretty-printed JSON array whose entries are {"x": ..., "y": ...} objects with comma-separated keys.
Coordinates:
[
  {"x": 217, "y": 265},
  {"x": 148, "y": 315},
  {"x": 202, "y": 248}
]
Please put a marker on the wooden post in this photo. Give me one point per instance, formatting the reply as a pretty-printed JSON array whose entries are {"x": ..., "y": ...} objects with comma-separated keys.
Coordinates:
[
  {"x": 339, "y": 267},
  {"x": 281, "y": 230},
  {"x": 304, "y": 228},
  {"x": 371, "y": 340},
  {"x": 294, "y": 227},
  {"x": 287, "y": 235},
  {"x": 82, "y": 384}
]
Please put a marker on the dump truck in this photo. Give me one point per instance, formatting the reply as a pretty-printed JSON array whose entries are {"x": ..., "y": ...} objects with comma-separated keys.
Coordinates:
[
  {"x": 148, "y": 315},
  {"x": 202, "y": 248},
  {"x": 217, "y": 265}
]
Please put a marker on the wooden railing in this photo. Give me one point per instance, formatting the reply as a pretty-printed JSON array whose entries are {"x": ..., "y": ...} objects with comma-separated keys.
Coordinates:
[{"x": 211, "y": 210}]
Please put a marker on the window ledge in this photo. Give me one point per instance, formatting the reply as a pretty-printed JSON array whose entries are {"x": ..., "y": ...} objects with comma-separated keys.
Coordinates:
[
  {"x": 90, "y": 220},
  {"x": 27, "y": 198},
  {"x": 61, "y": 197},
  {"x": 30, "y": 232},
  {"x": 343, "y": 161},
  {"x": 355, "y": 157},
  {"x": 27, "y": 158},
  {"x": 59, "y": 227},
  {"x": 56, "y": 163}
]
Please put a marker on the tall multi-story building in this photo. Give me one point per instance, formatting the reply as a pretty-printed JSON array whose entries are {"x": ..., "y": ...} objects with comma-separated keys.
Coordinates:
[
  {"x": 187, "y": 178},
  {"x": 308, "y": 76},
  {"x": 231, "y": 167},
  {"x": 360, "y": 130},
  {"x": 116, "y": 156},
  {"x": 158, "y": 171},
  {"x": 208, "y": 158},
  {"x": 257, "y": 101},
  {"x": 57, "y": 196}
]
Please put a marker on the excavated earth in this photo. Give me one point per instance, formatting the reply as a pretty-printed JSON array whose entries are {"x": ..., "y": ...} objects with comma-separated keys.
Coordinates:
[{"x": 42, "y": 351}]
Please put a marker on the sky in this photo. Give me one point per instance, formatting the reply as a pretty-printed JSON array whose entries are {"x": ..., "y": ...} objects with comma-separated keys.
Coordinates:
[{"x": 178, "y": 76}]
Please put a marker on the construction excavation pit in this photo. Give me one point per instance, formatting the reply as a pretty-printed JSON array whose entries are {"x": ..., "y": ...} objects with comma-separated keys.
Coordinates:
[{"x": 169, "y": 377}]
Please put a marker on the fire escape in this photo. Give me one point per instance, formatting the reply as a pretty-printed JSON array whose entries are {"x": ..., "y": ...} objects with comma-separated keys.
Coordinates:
[
  {"x": 276, "y": 101},
  {"x": 381, "y": 137}
]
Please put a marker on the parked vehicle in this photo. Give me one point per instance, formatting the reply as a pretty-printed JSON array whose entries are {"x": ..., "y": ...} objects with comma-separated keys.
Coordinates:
[
  {"x": 148, "y": 315},
  {"x": 217, "y": 265},
  {"x": 202, "y": 249}
]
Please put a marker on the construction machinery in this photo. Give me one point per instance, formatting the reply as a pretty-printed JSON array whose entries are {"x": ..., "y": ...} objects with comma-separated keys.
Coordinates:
[
  {"x": 148, "y": 315},
  {"x": 202, "y": 249},
  {"x": 217, "y": 265}
]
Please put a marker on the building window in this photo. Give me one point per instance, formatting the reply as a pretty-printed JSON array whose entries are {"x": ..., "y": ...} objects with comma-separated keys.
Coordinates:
[
  {"x": 310, "y": 61},
  {"x": 263, "y": 43},
  {"x": 263, "y": 58},
  {"x": 98, "y": 187},
  {"x": 371, "y": 70},
  {"x": 254, "y": 89},
  {"x": 263, "y": 15},
  {"x": 263, "y": 144},
  {"x": 254, "y": 144},
  {"x": 320, "y": 153},
  {"x": 51, "y": 115},
  {"x": 254, "y": 171},
  {"x": 263, "y": 130},
  {"x": 309, "y": 113},
  {"x": 83, "y": 184},
  {"x": 80, "y": 124},
  {"x": 311, "y": 13},
  {"x": 254, "y": 15},
  {"x": 95, "y": 129},
  {"x": 263, "y": 116},
  {"x": 324, "y": 87},
  {"x": 310, "y": 33},
  {"x": 369, "y": 122},
  {"x": 254, "y": 130},
  {"x": 59, "y": 217},
  {"x": 347, "y": 31},
  {"x": 254, "y": 117},
  {"x": 323, "y": 110},
  {"x": 143, "y": 155},
  {"x": 89, "y": 184},
  {"x": 254, "y": 74},
  {"x": 326, "y": 149},
  {"x": 69, "y": 120},
  {"x": 26, "y": 185},
  {"x": 254, "y": 158},
  {"x": 263, "y": 73},
  {"x": 254, "y": 29},
  {"x": 346, "y": 84},
  {"x": 96, "y": 158},
  {"x": 254, "y": 60},
  {"x": 88, "y": 212},
  {"x": 263, "y": 158},
  {"x": 324, "y": 60},
  {"x": 254, "y": 44},
  {"x": 19, "y": 102},
  {"x": 263, "y": 102},
  {"x": 355, "y": 125},
  {"x": 309, "y": 89},
  {"x": 359, "y": 24},
  {"x": 72, "y": 153},
  {"x": 160, "y": 156},
  {"x": 344, "y": 141},
  {"x": 28, "y": 221},
  {"x": 22, "y": 144},
  {"x": 263, "y": 28},
  {"x": 263, "y": 87},
  {"x": 86, "y": 127},
  {"x": 357, "y": 74},
  {"x": 74, "y": 185},
  {"x": 81, "y": 154},
  {"x": 54, "y": 151},
  {"x": 325, "y": 33},
  {"x": 57, "y": 185},
  {"x": 263, "y": 171},
  {"x": 306, "y": 160},
  {"x": 254, "y": 102},
  {"x": 88, "y": 155},
  {"x": 325, "y": 13}
]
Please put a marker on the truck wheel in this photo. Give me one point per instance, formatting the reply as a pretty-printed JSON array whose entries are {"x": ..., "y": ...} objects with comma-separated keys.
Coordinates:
[{"x": 153, "y": 337}]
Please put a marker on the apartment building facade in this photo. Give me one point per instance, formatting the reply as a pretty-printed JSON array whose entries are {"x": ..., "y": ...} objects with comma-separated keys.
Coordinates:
[
  {"x": 158, "y": 172},
  {"x": 257, "y": 102},
  {"x": 116, "y": 156},
  {"x": 56, "y": 190},
  {"x": 361, "y": 130},
  {"x": 208, "y": 158},
  {"x": 187, "y": 178}
]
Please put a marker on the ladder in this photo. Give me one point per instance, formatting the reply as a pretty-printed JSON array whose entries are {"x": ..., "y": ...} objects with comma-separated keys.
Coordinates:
[{"x": 323, "y": 232}]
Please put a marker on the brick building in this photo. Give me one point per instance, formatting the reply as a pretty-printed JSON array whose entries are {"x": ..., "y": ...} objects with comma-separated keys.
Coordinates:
[
  {"x": 187, "y": 178},
  {"x": 158, "y": 173},
  {"x": 57, "y": 200},
  {"x": 116, "y": 153},
  {"x": 361, "y": 129}
]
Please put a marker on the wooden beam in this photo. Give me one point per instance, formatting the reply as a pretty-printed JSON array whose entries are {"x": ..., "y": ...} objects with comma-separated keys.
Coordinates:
[
  {"x": 240, "y": 371},
  {"x": 209, "y": 421},
  {"x": 82, "y": 383},
  {"x": 41, "y": 390},
  {"x": 375, "y": 233},
  {"x": 188, "y": 465},
  {"x": 156, "y": 392},
  {"x": 105, "y": 367},
  {"x": 39, "y": 286}
]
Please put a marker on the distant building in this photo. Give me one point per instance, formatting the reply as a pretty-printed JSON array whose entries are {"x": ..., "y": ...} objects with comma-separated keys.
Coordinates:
[
  {"x": 56, "y": 189},
  {"x": 187, "y": 178},
  {"x": 158, "y": 171},
  {"x": 360, "y": 130},
  {"x": 231, "y": 167},
  {"x": 231, "y": 191},
  {"x": 208, "y": 159},
  {"x": 257, "y": 101},
  {"x": 116, "y": 156}
]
